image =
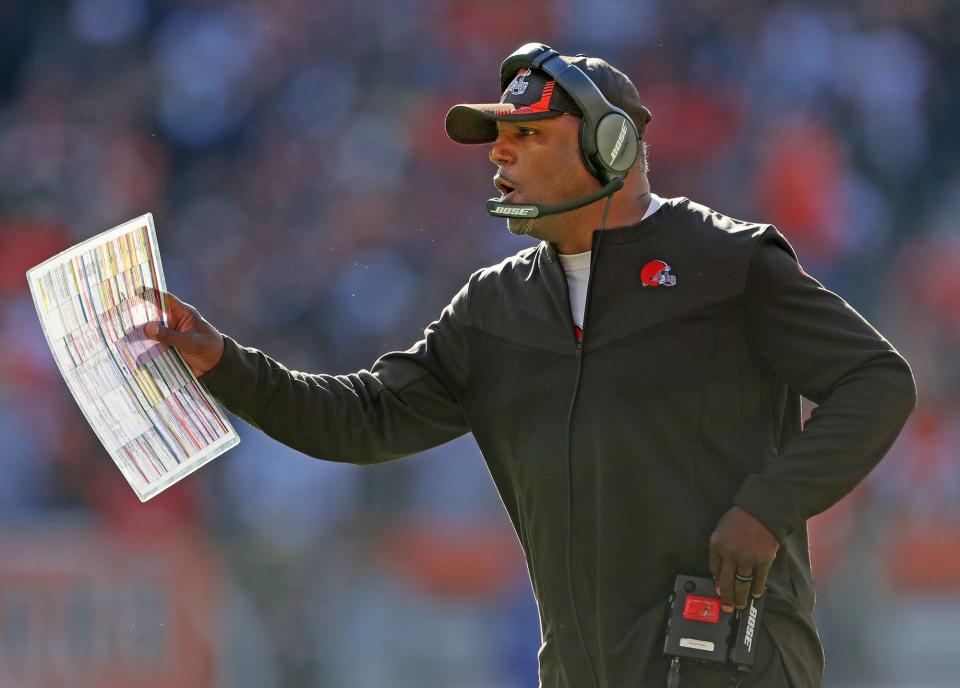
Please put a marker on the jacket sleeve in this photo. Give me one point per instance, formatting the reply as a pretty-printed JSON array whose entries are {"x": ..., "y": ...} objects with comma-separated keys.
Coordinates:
[
  {"x": 406, "y": 403},
  {"x": 821, "y": 348}
]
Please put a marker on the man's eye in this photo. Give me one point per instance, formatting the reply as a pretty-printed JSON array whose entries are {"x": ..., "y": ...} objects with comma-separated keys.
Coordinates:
[{"x": 527, "y": 132}]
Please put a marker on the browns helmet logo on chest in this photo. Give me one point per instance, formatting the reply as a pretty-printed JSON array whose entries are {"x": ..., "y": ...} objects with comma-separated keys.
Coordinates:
[{"x": 657, "y": 273}]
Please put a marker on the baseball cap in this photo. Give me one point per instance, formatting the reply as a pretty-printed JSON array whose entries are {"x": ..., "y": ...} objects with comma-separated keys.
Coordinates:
[{"x": 533, "y": 94}]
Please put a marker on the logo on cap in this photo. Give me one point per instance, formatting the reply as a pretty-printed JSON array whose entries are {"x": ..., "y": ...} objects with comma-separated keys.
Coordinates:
[
  {"x": 518, "y": 86},
  {"x": 657, "y": 273}
]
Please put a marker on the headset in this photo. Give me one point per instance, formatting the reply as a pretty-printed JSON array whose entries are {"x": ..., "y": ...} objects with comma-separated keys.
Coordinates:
[{"x": 609, "y": 142}]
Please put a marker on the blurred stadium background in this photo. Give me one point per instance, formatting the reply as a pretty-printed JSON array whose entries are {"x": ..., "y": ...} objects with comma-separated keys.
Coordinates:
[{"x": 309, "y": 203}]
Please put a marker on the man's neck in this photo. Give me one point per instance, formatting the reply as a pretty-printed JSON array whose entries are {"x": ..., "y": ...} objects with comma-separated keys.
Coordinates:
[{"x": 623, "y": 212}]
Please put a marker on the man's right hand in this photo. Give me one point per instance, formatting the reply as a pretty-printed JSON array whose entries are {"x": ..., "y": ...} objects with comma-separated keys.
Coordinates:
[{"x": 199, "y": 342}]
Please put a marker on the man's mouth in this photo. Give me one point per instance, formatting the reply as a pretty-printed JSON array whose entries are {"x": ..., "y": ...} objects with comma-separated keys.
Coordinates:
[{"x": 505, "y": 186}]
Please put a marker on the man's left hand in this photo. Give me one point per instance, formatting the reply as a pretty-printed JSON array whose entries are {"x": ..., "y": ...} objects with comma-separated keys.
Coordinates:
[{"x": 741, "y": 552}]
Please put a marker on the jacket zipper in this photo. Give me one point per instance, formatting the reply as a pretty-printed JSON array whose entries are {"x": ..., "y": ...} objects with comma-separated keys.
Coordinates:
[{"x": 573, "y": 401}]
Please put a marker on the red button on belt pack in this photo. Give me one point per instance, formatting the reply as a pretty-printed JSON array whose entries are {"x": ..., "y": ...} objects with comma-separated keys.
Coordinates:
[{"x": 698, "y": 608}]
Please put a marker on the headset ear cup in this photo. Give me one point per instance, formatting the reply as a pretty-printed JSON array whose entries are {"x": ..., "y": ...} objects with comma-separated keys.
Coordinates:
[
  {"x": 617, "y": 143},
  {"x": 588, "y": 153}
]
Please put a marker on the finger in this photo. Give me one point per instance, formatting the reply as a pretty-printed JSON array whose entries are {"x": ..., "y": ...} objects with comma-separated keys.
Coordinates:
[
  {"x": 761, "y": 571},
  {"x": 166, "y": 335},
  {"x": 174, "y": 308},
  {"x": 173, "y": 303},
  {"x": 177, "y": 310},
  {"x": 741, "y": 588},
  {"x": 716, "y": 562},
  {"x": 727, "y": 570}
]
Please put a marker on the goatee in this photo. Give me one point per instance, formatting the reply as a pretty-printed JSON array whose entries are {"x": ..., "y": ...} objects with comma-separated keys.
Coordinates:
[{"x": 519, "y": 227}]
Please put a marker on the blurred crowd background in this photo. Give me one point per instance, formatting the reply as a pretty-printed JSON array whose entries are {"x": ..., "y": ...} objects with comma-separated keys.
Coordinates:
[{"x": 308, "y": 202}]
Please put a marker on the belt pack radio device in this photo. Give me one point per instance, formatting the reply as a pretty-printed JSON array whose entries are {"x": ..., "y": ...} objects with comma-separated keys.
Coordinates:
[{"x": 698, "y": 630}]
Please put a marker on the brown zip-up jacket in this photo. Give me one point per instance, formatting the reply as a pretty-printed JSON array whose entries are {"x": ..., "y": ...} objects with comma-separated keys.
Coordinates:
[{"x": 616, "y": 456}]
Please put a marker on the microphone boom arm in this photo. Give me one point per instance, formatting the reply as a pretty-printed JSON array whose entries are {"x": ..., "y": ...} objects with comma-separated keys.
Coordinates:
[{"x": 499, "y": 208}]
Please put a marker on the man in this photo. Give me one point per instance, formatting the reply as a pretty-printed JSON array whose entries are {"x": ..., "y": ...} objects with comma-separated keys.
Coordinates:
[{"x": 635, "y": 389}]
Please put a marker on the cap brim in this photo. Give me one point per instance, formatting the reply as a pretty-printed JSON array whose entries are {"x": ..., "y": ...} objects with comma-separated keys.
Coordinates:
[{"x": 477, "y": 122}]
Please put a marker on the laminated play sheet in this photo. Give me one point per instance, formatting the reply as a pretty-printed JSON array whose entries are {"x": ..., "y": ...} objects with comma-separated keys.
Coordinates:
[{"x": 143, "y": 402}]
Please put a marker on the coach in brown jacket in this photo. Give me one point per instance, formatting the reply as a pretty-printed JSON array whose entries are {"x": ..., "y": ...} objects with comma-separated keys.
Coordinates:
[{"x": 662, "y": 437}]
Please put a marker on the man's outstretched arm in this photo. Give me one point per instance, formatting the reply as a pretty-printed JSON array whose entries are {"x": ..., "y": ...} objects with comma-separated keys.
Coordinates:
[{"x": 406, "y": 403}]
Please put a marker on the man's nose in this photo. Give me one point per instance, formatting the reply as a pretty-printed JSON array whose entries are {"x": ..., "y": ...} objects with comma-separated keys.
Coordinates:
[{"x": 501, "y": 152}]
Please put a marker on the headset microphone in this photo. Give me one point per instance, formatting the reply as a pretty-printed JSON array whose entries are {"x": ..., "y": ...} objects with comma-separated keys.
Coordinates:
[{"x": 499, "y": 208}]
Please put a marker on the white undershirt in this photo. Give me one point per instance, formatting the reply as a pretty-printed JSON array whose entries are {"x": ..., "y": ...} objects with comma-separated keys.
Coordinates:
[{"x": 577, "y": 268}]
